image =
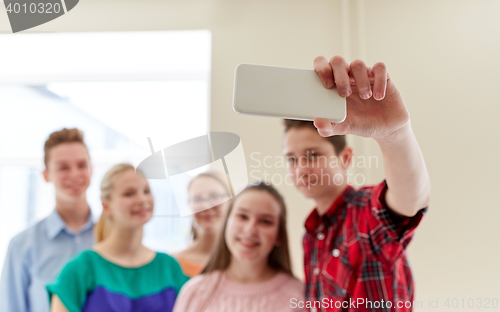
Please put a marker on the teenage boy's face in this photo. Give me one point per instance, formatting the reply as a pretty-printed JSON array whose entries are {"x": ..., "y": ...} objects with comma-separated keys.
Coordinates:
[
  {"x": 68, "y": 167},
  {"x": 314, "y": 166}
]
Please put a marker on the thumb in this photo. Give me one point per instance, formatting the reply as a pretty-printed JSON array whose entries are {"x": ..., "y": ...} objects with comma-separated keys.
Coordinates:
[{"x": 326, "y": 128}]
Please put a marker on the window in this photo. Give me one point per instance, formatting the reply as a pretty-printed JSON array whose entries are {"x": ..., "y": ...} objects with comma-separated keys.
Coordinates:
[{"x": 119, "y": 88}]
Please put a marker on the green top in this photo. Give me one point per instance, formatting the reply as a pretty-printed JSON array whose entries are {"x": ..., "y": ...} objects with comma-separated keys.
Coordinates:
[{"x": 89, "y": 282}]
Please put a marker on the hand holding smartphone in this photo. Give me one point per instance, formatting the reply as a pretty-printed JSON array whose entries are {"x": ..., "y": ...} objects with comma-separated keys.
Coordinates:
[{"x": 287, "y": 93}]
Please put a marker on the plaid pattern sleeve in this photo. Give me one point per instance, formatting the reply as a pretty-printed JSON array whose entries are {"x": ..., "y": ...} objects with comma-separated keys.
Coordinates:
[
  {"x": 389, "y": 233},
  {"x": 354, "y": 255}
]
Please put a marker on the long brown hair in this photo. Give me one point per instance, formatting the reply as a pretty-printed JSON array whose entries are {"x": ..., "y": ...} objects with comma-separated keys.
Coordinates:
[
  {"x": 103, "y": 226},
  {"x": 220, "y": 258},
  {"x": 279, "y": 258}
]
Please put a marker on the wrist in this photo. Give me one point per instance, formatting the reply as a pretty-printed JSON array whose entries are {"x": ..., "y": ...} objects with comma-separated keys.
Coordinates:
[{"x": 397, "y": 136}]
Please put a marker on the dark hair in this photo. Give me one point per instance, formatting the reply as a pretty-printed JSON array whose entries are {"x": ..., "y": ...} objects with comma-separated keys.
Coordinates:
[
  {"x": 338, "y": 141},
  {"x": 220, "y": 258},
  {"x": 62, "y": 136},
  {"x": 279, "y": 258}
]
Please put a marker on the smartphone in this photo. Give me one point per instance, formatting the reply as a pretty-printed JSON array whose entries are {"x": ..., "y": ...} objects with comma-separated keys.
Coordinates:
[{"x": 288, "y": 93}]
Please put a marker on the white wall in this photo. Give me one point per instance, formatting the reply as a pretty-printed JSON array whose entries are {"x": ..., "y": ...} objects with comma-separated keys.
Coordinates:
[{"x": 443, "y": 56}]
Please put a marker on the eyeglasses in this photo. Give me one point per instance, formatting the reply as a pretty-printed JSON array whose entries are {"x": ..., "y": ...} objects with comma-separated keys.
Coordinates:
[{"x": 212, "y": 199}]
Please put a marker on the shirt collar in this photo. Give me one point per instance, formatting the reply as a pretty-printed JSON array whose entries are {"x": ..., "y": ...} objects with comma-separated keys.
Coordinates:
[
  {"x": 55, "y": 224},
  {"x": 315, "y": 221}
]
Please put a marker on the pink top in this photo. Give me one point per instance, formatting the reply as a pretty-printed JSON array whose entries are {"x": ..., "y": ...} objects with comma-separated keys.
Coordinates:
[{"x": 213, "y": 292}]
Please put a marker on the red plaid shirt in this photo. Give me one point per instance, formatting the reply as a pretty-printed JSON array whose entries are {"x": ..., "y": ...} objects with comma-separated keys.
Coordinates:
[{"x": 355, "y": 257}]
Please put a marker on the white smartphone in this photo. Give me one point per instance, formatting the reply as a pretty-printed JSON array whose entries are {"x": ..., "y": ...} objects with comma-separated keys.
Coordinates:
[{"x": 287, "y": 93}]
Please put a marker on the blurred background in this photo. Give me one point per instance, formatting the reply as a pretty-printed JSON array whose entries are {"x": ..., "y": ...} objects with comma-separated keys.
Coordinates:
[{"x": 124, "y": 70}]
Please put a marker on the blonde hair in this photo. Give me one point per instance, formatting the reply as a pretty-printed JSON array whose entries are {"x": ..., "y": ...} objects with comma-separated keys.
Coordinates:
[
  {"x": 103, "y": 226},
  {"x": 62, "y": 136}
]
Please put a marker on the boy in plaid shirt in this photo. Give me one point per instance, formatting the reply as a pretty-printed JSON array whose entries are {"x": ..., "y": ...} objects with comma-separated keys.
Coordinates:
[{"x": 355, "y": 242}]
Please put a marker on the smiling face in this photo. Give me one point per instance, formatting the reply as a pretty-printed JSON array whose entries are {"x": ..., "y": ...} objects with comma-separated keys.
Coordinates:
[
  {"x": 209, "y": 199},
  {"x": 68, "y": 167},
  {"x": 252, "y": 226},
  {"x": 313, "y": 164},
  {"x": 130, "y": 203}
]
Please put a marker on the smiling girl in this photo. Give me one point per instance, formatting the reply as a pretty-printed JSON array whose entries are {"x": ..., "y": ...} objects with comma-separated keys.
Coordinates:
[
  {"x": 208, "y": 198},
  {"x": 249, "y": 269},
  {"x": 119, "y": 273}
]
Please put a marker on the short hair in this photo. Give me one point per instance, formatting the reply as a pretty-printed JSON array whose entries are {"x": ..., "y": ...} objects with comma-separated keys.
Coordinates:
[
  {"x": 62, "y": 136},
  {"x": 338, "y": 141}
]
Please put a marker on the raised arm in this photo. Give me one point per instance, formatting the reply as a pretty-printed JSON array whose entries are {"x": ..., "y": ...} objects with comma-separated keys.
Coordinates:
[
  {"x": 408, "y": 182},
  {"x": 376, "y": 109}
]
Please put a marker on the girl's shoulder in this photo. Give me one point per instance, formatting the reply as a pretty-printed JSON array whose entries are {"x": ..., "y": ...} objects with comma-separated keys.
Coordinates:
[
  {"x": 88, "y": 263},
  {"x": 168, "y": 261},
  {"x": 196, "y": 292},
  {"x": 292, "y": 281},
  {"x": 171, "y": 271},
  {"x": 84, "y": 258},
  {"x": 292, "y": 286},
  {"x": 202, "y": 281}
]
